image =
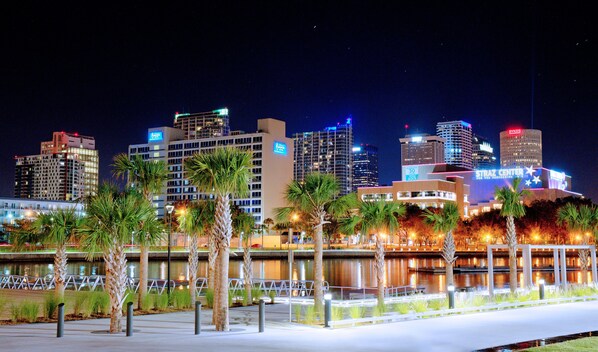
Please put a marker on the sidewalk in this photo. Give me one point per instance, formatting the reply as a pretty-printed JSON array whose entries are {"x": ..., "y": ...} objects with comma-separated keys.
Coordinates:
[{"x": 174, "y": 331}]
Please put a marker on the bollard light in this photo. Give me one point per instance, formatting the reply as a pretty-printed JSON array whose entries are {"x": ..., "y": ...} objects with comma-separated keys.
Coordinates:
[
  {"x": 327, "y": 309},
  {"x": 451, "y": 296},
  {"x": 197, "y": 318},
  {"x": 60, "y": 325},
  {"x": 541, "y": 288},
  {"x": 130, "y": 319},
  {"x": 262, "y": 315}
]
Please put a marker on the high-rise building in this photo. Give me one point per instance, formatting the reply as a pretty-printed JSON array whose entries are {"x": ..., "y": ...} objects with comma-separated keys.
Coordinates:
[
  {"x": 458, "y": 142},
  {"x": 83, "y": 149},
  {"x": 521, "y": 147},
  {"x": 365, "y": 166},
  {"x": 421, "y": 149},
  {"x": 483, "y": 153},
  {"x": 66, "y": 169},
  {"x": 272, "y": 165},
  {"x": 208, "y": 124},
  {"x": 329, "y": 151}
]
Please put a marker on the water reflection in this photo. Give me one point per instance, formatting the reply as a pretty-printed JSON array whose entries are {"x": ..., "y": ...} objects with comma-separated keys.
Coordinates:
[{"x": 338, "y": 272}]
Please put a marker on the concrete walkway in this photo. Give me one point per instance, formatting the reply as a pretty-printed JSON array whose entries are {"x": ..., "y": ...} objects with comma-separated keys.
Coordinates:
[{"x": 170, "y": 332}]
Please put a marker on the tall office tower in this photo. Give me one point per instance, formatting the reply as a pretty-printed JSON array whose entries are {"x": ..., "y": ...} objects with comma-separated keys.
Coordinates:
[
  {"x": 57, "y": 176},
  {"x": 421, "y": 149},
  {"x": 272, "y": 165},
  {"x": 329, "y": 152},
  {"x": 521, "y": 147},
  {"x": 81, "y": 148},
  {"x": 365, "y": 166},
  {"x": 483, "y": 153},
  {"x": 65, "y": 169},
  {"x": 208, "y": 124},
  {"x": 458, "y": 142}
]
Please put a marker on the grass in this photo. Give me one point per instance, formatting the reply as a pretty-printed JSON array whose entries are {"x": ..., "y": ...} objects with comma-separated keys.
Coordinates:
[
  {"x": 29, "y": 311},
  {"x": 356, "y": 312},
  {"x": 50, "y": 305},
  {"x": 338, "y": 313},
  {"x": 81, "y": 301},
  {"x": 310, "y": 315},
  {"x": 181, "y": 299},
  {"x": 419, "y": 306},
  {"x": 160, "y": 302},
  {"x": 402, "y": 308},
  {"x": 585, "y": 344},
  {"x": 99, "y": 303},
  {"x": 210, "y": 298},
  {"x": 297, "y": 311}
]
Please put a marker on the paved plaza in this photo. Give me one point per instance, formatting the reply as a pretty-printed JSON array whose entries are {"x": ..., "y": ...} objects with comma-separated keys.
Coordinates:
[{"x": 175, "y": 331}]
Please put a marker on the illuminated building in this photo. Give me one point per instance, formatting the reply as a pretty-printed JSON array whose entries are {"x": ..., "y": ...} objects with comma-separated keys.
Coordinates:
[
  {"x": 272, "y": 160},
  {"x": 458, "y": 142},
  {"x": 365, "y": 166},
  {"x": 65, "y": 169},
  {"x": 482, "y": 153},
  {"x": 208, "y": 124},
  {"x": 329, "y": 152},
  {"x": 14, "y": 209},
  {"x": 422, "y": 149},
  {"x": 521, "y": 147}
]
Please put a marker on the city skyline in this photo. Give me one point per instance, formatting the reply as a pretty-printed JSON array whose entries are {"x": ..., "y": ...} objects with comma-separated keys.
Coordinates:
[{"x": 116, "y": 72}]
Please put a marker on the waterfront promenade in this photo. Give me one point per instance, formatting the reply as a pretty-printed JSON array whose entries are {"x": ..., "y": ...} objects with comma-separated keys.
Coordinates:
[{"x": 174, "y": 331}]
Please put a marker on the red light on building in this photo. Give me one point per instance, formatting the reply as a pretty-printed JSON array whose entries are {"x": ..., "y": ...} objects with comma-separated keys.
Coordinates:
[{"x": 515, "y": 132}]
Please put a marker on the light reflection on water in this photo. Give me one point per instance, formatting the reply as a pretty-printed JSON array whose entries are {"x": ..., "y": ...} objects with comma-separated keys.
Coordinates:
[{"x": 338, "y": 272}]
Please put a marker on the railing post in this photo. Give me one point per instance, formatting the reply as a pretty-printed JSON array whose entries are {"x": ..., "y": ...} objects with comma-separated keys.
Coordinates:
[
  {"x": 197, "y": 318},
  {"x": 60, "y": 325},
  {"x": 130, "y": 319},
  {"x": 262, "y": 315}
]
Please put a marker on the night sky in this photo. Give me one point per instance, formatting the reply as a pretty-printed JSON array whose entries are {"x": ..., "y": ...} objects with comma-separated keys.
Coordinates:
[{"x": 112, "y": 71}]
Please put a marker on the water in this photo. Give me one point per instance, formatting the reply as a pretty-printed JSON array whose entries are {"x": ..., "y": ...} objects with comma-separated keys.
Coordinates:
[{"x": 338, "y": 272}]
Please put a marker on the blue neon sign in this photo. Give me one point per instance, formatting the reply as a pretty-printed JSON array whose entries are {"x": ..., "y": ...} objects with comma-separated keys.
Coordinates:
[
  {"x": 155, "y": 136},
  {"x": 280, "y": 148}
]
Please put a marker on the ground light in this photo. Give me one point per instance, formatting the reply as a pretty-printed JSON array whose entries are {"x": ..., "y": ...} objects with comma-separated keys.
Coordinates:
[
  {"x": 327, "y": 309},
  {"x": 451, "y": 296}
]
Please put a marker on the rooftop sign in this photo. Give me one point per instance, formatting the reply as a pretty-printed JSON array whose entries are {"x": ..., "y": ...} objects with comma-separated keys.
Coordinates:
[
  {"x": 155, "y": 136},
  {"x": 280, "y": 148},
  {"x": 515, "y": 132}
]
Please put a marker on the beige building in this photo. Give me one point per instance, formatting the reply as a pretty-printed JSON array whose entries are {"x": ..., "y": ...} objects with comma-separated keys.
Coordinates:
[
  {"x": 421, "y": 149},
  {"x": 521, "y": 147},
  {"x": 272, "y": 160},
  {"x": 424, "y": 193}
]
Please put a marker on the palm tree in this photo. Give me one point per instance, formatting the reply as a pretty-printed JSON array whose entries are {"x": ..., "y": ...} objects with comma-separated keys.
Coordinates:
[
  {"x": 445, "y": 221},
  {"x": 111, "y": 218},
  {"x": 243, "y": 224},
  {"x": 511, "y": 198},
  {"x": 268, "y": 222},
  {"x": 224, "y": 172},
  {"x": 381, "y": 219},
  {"x": 582, "y": 220},
  {"x": 148, "y": 177},
  {"x": 195, "y": 220},
  {"x": 58, "y": 228},
  {"x": 312, "y": 197}
]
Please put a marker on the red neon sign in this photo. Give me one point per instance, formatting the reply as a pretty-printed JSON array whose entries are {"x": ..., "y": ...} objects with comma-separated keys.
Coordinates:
[{"x": 514, "y": 132}]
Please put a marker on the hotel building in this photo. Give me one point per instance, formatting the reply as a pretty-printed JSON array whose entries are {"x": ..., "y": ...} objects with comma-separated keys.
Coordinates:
[
  {"x": 272, "y": 164},
  {"x": 365, "y": 166},
  {"x": 329, "y": 152},
  {"x": 458, "y": 145},
  {"x": 421, "y": 149},
  {"x": 521, "y": 147},
  {"x": 208, "y": 124}
]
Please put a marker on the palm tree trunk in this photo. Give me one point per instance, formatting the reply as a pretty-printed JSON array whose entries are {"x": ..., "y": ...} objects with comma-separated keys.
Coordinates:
[
  {"x": 193, "y": 264},
  {"x": 143, "y": 276},
  {"x": 512, "y": 241},
  {"x": 116, "y": 285},
  {"x": 60, "y": 261},
  {"x": 211, "y": 260},
  {"x": 223, "y": 231},
  {"x": 247, "y": 273},
  {"x": 216, "y": 286},
  {"x": 448, "y": 253},
  {"x": 318, "y": 268},
  {"x": 584, "y": 261},
  {"x": 379, "y": 259}
]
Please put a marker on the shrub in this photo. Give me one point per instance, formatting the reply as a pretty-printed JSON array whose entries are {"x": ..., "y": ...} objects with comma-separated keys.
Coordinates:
[
  {"x": 402, "y": 308},
  {"x": 3, "y": 303},
  {"x": 99, "y": 303},
  {"x": 479, "y": 301},
  {"x": 310, "y": 314},
  {"x": 256, "y": 294},
  {"x": 438, "y": 304},
  {"x": 272, "y": 294},
  {"x": 419, "y": 306},
  {"x": 378, "y": 310},
  {"x": 129, "y": 298},
  {"x": 160, "y": 302},
  {"x": 50, "y": 305},
  {"x": 147, "y": 302},
  {"x": 338, "y": 313},
  {"x": 182, "y": 299},
  {"x": 356, "y": 312},
  {"x": 15, "y": 313},
  {"x": 210, "y": 298},
  {"x": 297, "y": 310},
  {"x": 81, "y": 302},
  {"x": 29, "y": 311}
]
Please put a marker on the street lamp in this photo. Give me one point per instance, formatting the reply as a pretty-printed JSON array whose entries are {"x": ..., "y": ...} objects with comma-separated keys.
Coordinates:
[{"x": 169, "y": 209}]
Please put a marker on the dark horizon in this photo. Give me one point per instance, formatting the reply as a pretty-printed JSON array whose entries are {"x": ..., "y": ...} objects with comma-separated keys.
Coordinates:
[{"x": 114, "y": 71}]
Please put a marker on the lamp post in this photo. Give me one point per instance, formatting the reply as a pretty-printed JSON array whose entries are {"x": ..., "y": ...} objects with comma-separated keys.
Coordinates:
[
  {"x": 169, "y": 209},
  {"x": 451, "y": 296}
]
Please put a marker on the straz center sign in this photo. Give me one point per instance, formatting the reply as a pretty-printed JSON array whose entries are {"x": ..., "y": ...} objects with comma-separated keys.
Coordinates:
[{"x": 495, "y": 174}]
